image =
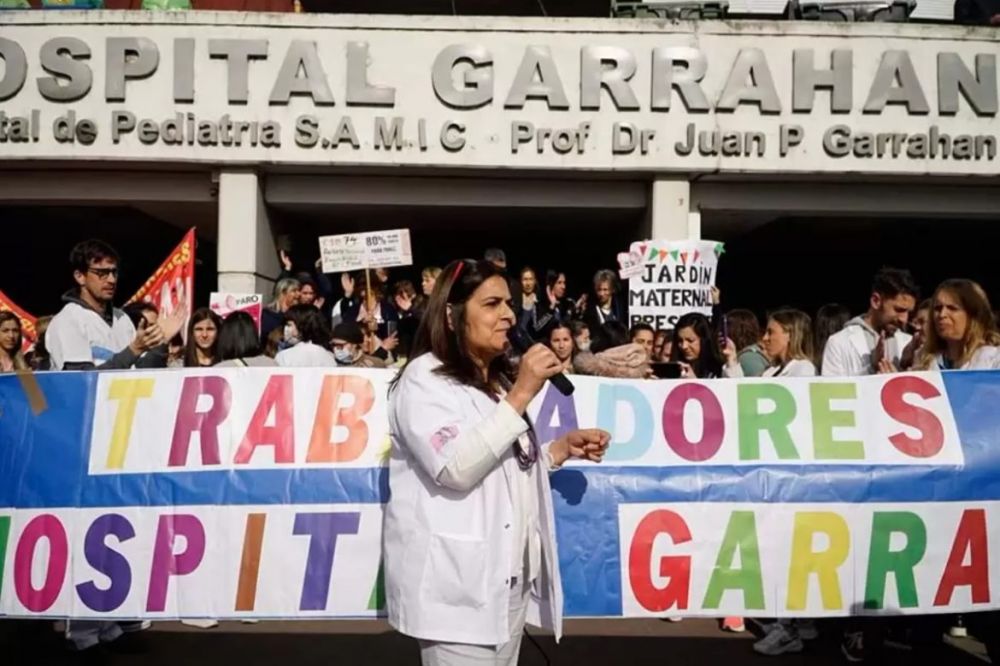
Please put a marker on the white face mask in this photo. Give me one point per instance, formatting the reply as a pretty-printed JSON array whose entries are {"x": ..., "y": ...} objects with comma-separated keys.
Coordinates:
[
  {"x": 583, "y": 346},
  {"x": 343, "y": 355},
  {"x": 290, "y": 335}
]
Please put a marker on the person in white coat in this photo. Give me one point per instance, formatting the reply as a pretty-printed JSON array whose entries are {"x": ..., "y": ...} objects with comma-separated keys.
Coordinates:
[
  {"x": 788, "y": 342},
  {"x": 469, "y": 534},
  {"x": 962, "y": 334},
  {"x": 874, "y": 342},
  {"x": 308, "y": 338}
]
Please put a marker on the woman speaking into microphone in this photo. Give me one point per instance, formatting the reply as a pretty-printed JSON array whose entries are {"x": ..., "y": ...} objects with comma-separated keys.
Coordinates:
[{"x": 469, "y": 534}]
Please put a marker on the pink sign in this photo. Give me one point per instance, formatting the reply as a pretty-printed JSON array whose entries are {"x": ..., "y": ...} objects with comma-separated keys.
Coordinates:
[{"x": 223, "y": 304}]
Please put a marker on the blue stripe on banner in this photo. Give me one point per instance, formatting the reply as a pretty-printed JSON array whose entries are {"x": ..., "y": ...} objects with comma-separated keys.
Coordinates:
[{"x": 368, "y": 485}]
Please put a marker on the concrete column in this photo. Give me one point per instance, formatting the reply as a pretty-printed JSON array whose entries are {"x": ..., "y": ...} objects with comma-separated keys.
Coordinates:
[
  {"x": 670, "y": 216},
  {"x": 248, "y": 257}
]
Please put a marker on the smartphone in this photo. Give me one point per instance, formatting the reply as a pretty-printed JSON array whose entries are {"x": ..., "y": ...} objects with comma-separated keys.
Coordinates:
[
  {"x": 723, "y": 332},
  {"x": 390, "y": 327},
  {"x": 667, "y": 370}
]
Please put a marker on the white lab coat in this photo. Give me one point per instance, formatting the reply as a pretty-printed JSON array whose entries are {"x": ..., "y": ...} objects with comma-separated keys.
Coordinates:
[
  {"x": 798, "y": 367},
  {"x": 305, "y": 355},
  {"x": 986, "y": 357},
  {"x": 848, "y": 352},
  {"x": 449, "y": 554}
]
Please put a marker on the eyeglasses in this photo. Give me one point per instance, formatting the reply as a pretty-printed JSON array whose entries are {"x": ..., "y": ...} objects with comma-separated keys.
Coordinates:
[{"x": 104, "y": 273}]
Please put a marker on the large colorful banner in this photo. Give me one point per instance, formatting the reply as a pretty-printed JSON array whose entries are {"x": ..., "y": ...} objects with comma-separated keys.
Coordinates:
[
  {"x": 172, "y": 285},
  {"x": 28, "y": 333},
  {"x": 257, "y": 493}
]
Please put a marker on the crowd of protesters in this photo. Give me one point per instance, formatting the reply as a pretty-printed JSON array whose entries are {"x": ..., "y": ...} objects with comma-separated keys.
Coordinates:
[{"x": 370, "y": 323}]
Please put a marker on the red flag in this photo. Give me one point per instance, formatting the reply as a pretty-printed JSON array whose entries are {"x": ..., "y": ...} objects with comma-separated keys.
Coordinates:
[
  {"x": 28, "y": 333},
  {"x": 172, "y": 285}
]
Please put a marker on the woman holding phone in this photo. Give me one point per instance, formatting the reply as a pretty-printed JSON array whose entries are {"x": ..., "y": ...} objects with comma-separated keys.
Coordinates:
[{"x": 698, "y": 351}]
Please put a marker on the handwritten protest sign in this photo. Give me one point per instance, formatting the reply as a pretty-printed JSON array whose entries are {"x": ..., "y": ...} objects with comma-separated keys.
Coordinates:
[
  {"x": 677, "y": 278},
  {"x": 223, "y": 304},
  {"x": 630, "y": 265},
  {"x": 376, "y": 249}
]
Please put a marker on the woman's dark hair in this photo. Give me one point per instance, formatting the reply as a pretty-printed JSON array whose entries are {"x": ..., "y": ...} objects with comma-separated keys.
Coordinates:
[
  {"x": 237, "y": 338},
  {"x": 744, "y": 328},
  {"x": 191, "y": 352},
  {"x": 552, "y": 276},
  {"x": 307, "y": 279},
  {"x": 135, "y": 310},
  {"x": 578, "y": 327},
  {"x": 555, "y": 327},
  {"x": 7, "y": 315},
  {"x": 273, "y": 342},
  {"x": 454, "y": 287},
  {"x": 517, "y": 292},
  {"x": 710, "y": 362},
  {"x": 611, "y": 334},
  {"x": 404, "y": 287},
  {"x": 830, "y": 319},
  {"x": 310, "y": 323},
  {"x": 40, "y": 357}
]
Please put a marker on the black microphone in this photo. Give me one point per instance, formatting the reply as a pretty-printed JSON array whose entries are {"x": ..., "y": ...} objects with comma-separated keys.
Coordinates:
[{"x": 522, "y": 342}]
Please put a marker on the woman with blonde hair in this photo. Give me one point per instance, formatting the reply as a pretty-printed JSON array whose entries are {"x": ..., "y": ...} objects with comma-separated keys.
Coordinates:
[
  {"x": 788, "y": 342},
  {"x": 428, "y": 278},
  {"x": 962, "y": 334}
]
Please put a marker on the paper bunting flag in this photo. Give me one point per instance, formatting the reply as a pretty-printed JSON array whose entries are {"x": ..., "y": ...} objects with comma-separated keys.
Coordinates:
[
  {"x": 719, "y": 250},
  {"x": 684, "y": 257},
  {"x": 697, "y": 256},
  {"x": 675, "y": 254},
  {"x": 663, "y": 256},
  {"x": 652, "y": 254}
]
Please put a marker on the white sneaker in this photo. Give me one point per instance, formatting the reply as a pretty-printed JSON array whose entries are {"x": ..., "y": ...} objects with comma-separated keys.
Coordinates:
[
  {"x": 250, "y": 620},
  {"x": 780, "y": 640},
  {"x": 201, "y": 624}
]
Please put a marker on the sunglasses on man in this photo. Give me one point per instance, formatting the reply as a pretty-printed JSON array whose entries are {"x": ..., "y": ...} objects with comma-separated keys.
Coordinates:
[{"x": 104, "y": 273}]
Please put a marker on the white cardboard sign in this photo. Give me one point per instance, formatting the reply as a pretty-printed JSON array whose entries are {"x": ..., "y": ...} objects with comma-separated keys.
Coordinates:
[{"x": 375, "y": 249}]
